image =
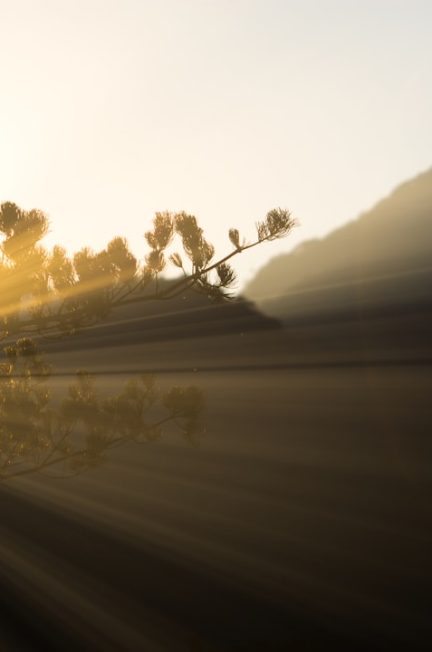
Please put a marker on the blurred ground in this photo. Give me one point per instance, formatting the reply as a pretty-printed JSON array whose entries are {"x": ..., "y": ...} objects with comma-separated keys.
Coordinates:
[{"x": 302, "y": 519}]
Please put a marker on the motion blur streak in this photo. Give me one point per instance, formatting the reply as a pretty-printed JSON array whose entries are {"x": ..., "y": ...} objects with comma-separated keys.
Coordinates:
[{"x": 301, "y": 516}]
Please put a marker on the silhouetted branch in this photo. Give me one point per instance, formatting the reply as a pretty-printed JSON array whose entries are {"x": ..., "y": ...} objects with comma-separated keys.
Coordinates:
[{"x": 63, "y": 294}]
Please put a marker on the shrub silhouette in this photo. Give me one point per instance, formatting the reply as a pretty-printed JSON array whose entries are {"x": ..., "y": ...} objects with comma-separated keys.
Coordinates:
[{"x": 48, "y": 293}]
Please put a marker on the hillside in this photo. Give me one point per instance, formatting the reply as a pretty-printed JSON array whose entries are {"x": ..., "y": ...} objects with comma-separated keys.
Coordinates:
[
  {"x": 392, "y": 240},
  {"x": 186, "y": 317}
]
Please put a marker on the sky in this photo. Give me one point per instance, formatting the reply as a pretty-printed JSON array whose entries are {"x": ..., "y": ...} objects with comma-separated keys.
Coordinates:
[{"x": 111, "y": 110}]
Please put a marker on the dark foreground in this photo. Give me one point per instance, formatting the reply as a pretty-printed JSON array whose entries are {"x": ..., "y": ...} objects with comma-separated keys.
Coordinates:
[{"x": 302, "y": 519}]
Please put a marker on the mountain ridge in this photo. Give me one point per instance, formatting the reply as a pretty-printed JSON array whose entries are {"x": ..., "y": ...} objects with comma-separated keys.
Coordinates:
[{"x": 393, "y": 236}]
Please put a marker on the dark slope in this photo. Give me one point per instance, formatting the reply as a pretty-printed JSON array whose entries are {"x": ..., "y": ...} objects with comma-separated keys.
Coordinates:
[
  {"x": 193, "y": 314},
  {"x": 187, "y": 316}
]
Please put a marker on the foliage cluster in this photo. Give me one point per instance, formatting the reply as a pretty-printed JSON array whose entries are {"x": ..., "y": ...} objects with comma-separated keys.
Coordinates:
[{"x": 45, "y": 292}]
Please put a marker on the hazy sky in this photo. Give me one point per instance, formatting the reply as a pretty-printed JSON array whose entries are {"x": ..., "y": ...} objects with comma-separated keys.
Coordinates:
[{"x": 111, "y": 110}]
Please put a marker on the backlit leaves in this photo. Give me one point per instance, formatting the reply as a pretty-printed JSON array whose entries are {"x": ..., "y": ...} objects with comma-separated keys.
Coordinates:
[
  {"x": 42, "y": 290},
  {"x": 234, "y": 236},
  {"x": 277, "y": 224}
]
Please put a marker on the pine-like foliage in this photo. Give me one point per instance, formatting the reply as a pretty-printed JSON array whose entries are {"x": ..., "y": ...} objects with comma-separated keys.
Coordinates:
[{"x": 46, "y": 292}]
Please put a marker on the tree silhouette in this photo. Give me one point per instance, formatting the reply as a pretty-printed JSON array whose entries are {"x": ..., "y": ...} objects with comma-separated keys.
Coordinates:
[
  {"x": 48, "y": 293},
  {"x": 45, "y": 291}
]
